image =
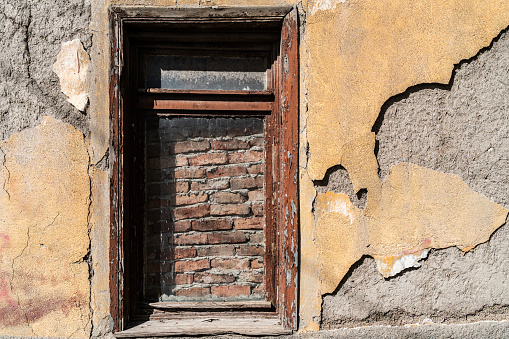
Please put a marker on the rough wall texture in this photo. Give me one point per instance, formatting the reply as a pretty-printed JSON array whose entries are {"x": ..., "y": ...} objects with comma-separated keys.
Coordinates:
[
  {"x": 354, "y": 56},
  {"x": 31, "y": 33},
  {"x": 357, "y": 56},
  {"x": 462, "y": 128},
  {"x": 44, "y": 234}
]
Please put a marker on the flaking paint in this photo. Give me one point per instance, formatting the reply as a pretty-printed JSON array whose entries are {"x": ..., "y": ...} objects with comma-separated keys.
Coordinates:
[{"x": 357, "y": 55}]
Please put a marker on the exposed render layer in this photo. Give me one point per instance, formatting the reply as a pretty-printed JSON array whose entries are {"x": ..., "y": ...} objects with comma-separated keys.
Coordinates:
[
  {"x": 31, "y": 33},
  {"x": 358, "y": 55},
  {"x": 44, "y": 204},
  {"x": 362, "y": 53},
  {"x": 463, "y": 131},
  {"x": 419, "y": 209}
]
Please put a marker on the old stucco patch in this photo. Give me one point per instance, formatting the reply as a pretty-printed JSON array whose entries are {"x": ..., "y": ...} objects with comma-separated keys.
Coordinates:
[
  {"x": 72, "y": 70},
  {"x": 419, "y": 209},
  {"x": 44, "y": 236},
  {"x": 362, "y": 53},
  {"x": 357, "y": 55}
]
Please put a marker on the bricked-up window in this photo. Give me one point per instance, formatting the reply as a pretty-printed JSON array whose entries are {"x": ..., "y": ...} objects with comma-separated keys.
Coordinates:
[
  {"x": 204, "y": 184},
  {"x": 205, "y": 219}
]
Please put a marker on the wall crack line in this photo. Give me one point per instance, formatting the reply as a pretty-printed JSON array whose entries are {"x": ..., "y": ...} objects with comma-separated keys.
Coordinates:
[{"x": 6, "y": 181}]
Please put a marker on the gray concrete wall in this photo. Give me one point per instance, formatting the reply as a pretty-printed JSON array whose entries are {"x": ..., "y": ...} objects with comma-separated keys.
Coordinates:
[{"x": 31, "y": 33}]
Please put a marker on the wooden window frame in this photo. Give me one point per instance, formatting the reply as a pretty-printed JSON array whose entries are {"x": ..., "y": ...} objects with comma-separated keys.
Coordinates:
[{"x": 281, "y": 103}]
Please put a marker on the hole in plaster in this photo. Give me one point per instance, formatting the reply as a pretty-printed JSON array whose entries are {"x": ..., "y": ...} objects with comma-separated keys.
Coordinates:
[{"x": 337, "y": 180}]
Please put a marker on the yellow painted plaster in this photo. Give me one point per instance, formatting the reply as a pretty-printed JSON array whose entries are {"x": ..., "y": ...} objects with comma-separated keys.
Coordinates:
[
  {"x": 419, "y": 209},
  {"x": 363, "y": 52},
  {"x": 357, "y": 54},
  {"x": 44, "y": 203}
]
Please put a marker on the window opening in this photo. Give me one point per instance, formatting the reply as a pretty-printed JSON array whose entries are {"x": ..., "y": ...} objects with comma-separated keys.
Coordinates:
[{"x": 204, "y": 183}]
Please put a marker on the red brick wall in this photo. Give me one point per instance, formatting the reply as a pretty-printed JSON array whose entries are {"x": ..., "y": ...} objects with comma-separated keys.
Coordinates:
[{"x": 205, "y": 220}]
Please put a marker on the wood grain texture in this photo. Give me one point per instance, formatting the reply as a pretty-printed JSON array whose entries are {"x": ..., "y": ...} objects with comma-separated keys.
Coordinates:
[
  {"x": 289, "y": 104},
  {"x": 205, "y": 326}
]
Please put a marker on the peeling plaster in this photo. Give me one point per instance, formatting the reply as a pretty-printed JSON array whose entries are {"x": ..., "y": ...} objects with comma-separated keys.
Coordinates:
[
  {"x": 362, "y": 53},
  {"x": 72, "y": 69},
  {"x": 357, "y": 56},
  {"x": 419, "y": 209},
  {"x": 44, "y": 230}
]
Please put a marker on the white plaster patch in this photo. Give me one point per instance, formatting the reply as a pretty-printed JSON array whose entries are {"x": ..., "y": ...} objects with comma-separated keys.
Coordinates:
[
  {"x": 71, "y": 68},
  {"x": 342, "y": 207},
  {"x": 324, "y": 5},
  {"x": 389, "y": 268}
]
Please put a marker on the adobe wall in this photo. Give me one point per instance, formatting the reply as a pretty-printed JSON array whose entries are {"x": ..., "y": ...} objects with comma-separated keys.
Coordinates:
[{"x": 403, "y": 157}]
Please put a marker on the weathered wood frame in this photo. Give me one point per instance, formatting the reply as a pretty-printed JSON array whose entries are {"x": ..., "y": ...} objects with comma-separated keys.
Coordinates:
[{"x": 281, "y": 141}]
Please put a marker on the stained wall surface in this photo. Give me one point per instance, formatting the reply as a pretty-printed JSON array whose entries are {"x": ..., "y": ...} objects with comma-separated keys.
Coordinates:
[{"x": 403, "y": 165}]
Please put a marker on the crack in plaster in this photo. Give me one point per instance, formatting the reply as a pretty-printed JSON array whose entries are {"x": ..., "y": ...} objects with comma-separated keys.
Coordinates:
[
  {"x": 6, "y": 181},
  {"x": 12, "y": 280}
]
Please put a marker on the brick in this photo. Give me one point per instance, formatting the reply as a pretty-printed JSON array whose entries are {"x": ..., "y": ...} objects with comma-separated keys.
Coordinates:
[
  {"x": 249, "y": 182},
  {"x": 210, "y": 185},
  {"x": 193, "y": 292},
  {"x": 256, "y": 142},
  {"x": 184, "y": 253},
  {"x": 189, "y": 173},
  {"x": 211, "y": 278},
  {"x": 158, "y": 239},
  {"x": 229, "y": 144},
  {"x": 190, "y": 239},
  {"x": 227, "y": 198},
  {"x": 244, "y": 128},
  {"x": 216, "y": 251},
  {"x": 256, "y": 196},
  {"x": 189, "y": 146},
  {"x": 255, "y": 223},
  {"x": 257, "y": 209},
  {"x": 230, "y": 209},
  {"x": 181, "y": 187},
  {"x": 167, "y": 162},
  {"x": 158, "y": 266},
  {"x": 256, "y": 169},
  {"x": 182, "y": 226},
  {"x": 251, "y": 277},
  {"x": 190, "y": 266},
  {"x": 257, "y": 263},
  {"x": 208, "y": 159},
  {"x": 257, "y": 238},
  {"x": 231, "y": 290},
  {"x": 226, "y": 171},
  {"x": 251, "y": 250},
  {"x": 226, "y": 238},
  {"x": 247, "y": 156},
  {"x": 212, "y": 225},
  {"x": 183, "y": 279},
  {"x": 155, "y": 175},
  {"x": 259, "y": 290},
  {"x": 190, "y": 212},
  {"x": 237, "y": 263},
  {"x": 189, "y": 199}
]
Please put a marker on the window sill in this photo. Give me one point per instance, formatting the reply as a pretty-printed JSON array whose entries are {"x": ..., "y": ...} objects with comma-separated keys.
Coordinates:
[{"x": 206, "y": 325}]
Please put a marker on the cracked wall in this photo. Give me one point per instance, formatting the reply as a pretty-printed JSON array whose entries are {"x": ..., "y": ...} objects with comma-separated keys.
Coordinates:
[
  {"x": 365, "y": 69},
  {"x": 461, "y": 128},
  {"x": 359, "y": 57},
  {"x": 44, "y": 208}
]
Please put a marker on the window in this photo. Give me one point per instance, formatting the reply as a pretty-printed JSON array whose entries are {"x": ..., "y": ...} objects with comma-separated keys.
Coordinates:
[{"x": 204, "y": 218}]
